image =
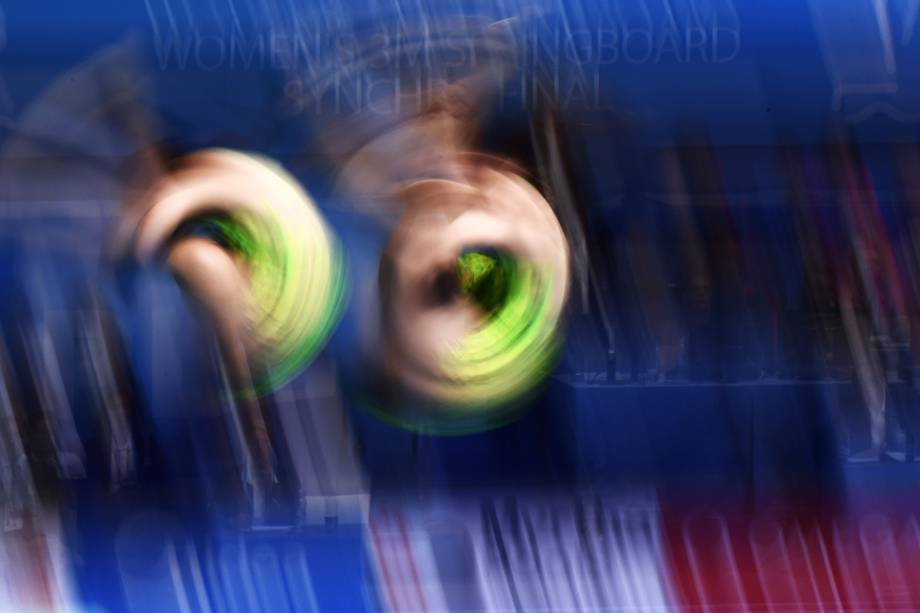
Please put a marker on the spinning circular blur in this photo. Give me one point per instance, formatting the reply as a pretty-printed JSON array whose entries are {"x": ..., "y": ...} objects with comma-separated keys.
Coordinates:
[
  {"x": 248, "y": 242},
  {"x": 473, "y": 282}
]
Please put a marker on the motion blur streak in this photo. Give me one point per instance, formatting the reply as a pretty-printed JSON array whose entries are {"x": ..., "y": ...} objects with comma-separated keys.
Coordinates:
[
  {"x": 278, "y": 290},
  {"x": 363, "y": 306},
  {"x": 469, "y": 351}
]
